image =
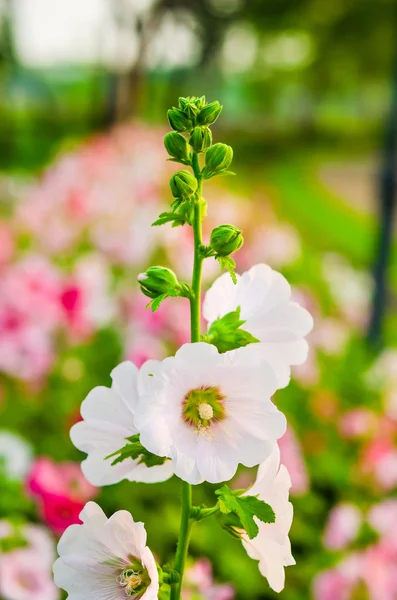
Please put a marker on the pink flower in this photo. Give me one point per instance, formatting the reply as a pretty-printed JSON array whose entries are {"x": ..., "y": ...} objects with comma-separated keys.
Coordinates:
[
  {"x": 61, "y": 492},
  {"x": 342, "y": 528},
  {"x": 379, "y": 571},
  {"x": 199, "y": 579},
  {"x": 26, "y": 350},
  {"x": 380, "y": 459},
  {"x": 383, "y": 518},
  {"x": 331, "y": 585},
  {"x": 357, "y": 423},
  {"x": 62, "y": 479},
  {"x": 25, "y": 576},
  {"x": 85, "y": 298},
  {"x": 292, "y": 458},
  {"x": 32, "y": 288}
]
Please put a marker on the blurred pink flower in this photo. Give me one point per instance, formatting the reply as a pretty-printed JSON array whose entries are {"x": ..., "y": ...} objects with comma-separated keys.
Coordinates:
[
  {"x": 292, "y": 457},
  {"x": 26, "y": 350},
  {"x": 62, "y": 479},
  {"x": 379, "y": 458},
  {"x": 31, "y": 287},
  {"x": 331, "y": 585},
  {"x": 61, "y": 492},
  {"x": 199, "y": 578},
  {"x": 85, "y": 297},
  {"x": 379, "y": 571},
  {"x": 24, "y": 575},
  {"x": 383, "y": 518},
  {"x": 358, "y": 423},
  {"x": 342, "y": 527}
]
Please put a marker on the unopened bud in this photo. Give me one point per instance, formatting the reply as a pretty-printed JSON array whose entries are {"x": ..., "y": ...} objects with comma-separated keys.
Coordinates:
[
  {"x": 209, "y": 113},
  {"x": 179, "y": 120},
  {"x": 191, "y": 105},
  {"x": 177, "y": 146},
  {"x": 200, "y": 139},
  {"x": 157, "y": 281},
  {"x": 218, "y": 159},
  {"x": 183, "y": 184},
  {"x": 226, "y": 239}
]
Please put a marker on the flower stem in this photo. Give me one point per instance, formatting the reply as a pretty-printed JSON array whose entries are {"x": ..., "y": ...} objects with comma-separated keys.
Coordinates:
[{"x": 195, "y": 319}]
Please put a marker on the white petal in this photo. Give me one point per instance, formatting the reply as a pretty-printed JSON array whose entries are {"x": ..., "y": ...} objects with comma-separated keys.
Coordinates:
[{"x": 125, "y": 377}]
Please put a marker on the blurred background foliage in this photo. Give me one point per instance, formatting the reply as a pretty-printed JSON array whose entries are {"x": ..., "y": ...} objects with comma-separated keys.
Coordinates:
[{"x": 307, "y": 87}]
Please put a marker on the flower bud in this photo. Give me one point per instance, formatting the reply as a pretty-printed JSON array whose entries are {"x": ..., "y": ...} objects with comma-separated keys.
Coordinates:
[
  {"x": 178, "y": 120},
  {"x": 157, "y": 281},
  {"x": 177, "y": 146},
  {"x": 183, "y": 184},
  {"x": 191, "y": 105},
  {"x": 226, "y": 239},
  {"x": 217, "y": 160},
  {"x": 209, "y": 113},
  {"x": 200, "y": 139}
]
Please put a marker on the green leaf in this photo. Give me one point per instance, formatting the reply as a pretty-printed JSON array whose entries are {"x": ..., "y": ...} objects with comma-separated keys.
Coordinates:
[
  {"x": 246, "y": 508},
  {"x": 169, "y": 217},
  {"x": 227, "y": 264},
  {"x": 134, "y": 450},
  {"x": 226, "y": 334}
]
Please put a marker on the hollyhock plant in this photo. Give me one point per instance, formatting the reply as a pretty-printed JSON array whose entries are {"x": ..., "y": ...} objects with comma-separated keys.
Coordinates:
[
  {"x": 199, "y": 413},
  {"x": 108, "y": 421},
  {"x": 264, "y": 298},
  {"x": 106, "y": 558}
]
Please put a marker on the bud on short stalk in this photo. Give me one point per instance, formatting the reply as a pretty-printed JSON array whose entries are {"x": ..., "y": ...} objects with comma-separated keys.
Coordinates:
[
  {"x": 183, "y": 184},
  {"x": 177, "y": 146},
  {"x": 200, "y": 139},
  {"x": 178, "y": 120},
  {"x": 157, "y": 281},
  {"x": 217, "y": 160},
  {"x": 209, "y": 113},
  {"x": 226, "y": 239}
]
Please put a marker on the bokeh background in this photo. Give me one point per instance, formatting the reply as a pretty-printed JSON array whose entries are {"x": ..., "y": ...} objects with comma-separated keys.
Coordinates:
[{"x": 309, "y": 90}]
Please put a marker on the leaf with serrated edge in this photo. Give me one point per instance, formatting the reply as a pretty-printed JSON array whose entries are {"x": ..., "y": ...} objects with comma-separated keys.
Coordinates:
[{"x": 246, "y": 508}]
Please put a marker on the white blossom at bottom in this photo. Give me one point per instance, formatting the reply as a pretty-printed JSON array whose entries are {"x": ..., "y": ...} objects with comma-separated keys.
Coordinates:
[
  {"x": 106, "y": 559},
  {"x": 271, "y": 547}
]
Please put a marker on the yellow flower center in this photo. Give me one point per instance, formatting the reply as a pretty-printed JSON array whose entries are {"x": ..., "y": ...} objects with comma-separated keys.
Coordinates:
[{"x": 202, "y": 407}]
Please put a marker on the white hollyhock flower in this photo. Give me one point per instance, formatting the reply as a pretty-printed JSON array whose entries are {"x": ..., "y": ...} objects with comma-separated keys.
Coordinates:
[
  {"x": 264, "y": 297},
  {"x": 109, "y": 418},
  {"x": 271, "y": 547},
  {"x": 209, "y": 411},
  {"x": 106, "y": 558}
]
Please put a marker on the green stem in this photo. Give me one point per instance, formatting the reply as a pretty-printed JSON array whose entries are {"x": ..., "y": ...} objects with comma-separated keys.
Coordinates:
[{"x": 195, "y": 319}]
